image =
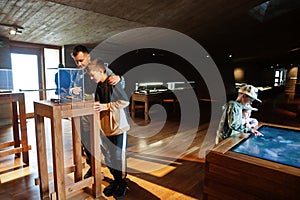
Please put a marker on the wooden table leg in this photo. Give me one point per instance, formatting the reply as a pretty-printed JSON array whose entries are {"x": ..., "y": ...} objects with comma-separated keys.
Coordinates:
[
  {"x": 146, "y": 113},
  {"x": 77, "y": 148},
  {"x": 23, "y": 126},
  {"x": 58, "y": 156},
  {"x": 15, "y": 124},
  {"x": 132, "y": 109},
  {"x": 42, "y": 156},
  {"x": 96, "y": 154}
]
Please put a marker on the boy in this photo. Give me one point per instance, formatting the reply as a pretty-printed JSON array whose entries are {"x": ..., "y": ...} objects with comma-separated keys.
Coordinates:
[
  {"x": 246, "y": 117},
  {"x": 231, "y": 120},
  {"x": 110, "y": 102}
]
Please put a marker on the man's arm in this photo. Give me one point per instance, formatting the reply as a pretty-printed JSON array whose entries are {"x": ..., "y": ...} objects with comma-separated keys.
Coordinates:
[{"x": 114, "y": 79}]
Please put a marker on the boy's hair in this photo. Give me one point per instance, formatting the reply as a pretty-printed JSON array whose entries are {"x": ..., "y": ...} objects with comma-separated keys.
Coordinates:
[
  {"x": 79, "y": 48},
  {"x": 97, "y": 64}
]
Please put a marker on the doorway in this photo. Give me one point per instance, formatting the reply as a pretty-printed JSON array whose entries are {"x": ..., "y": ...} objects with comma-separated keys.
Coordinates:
[{"x": 26, "y": 78}]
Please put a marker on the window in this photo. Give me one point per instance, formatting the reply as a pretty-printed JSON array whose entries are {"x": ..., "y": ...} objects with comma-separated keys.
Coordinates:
[
  {"x": 280, "y": 77},
  {"x": 52, "y": 60}
]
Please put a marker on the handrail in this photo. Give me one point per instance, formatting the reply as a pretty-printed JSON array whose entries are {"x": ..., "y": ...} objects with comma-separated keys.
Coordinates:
[{"x": 35, "y": 90}]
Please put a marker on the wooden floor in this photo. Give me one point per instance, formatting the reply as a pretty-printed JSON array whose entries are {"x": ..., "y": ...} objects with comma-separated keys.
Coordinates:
[{"x": 153, "y": 173}]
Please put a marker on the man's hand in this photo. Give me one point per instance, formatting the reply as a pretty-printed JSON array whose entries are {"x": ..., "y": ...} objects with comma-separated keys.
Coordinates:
[
  {"x": 98, "y": 107},
  {"x": 113, "y": 80}
]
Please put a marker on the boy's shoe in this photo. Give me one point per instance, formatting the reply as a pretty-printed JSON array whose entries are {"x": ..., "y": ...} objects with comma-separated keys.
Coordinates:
[
  {"x": 88, "y": 174},
  {"x": 120, "y": 190},
  {"x": 110, "y": 189}
]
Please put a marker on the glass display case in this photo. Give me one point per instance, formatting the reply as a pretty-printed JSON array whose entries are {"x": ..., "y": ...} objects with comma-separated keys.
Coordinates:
[
  {"x": 70, "y": 85},
  {"x": 6, "y": 81}
]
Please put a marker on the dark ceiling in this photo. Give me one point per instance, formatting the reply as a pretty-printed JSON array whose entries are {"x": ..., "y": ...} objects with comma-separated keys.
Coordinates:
[{"x": 270, "y": 31}]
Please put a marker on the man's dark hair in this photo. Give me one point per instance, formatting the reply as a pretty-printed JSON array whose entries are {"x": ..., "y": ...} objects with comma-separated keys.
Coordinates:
[{"x": 79, "y": 48}]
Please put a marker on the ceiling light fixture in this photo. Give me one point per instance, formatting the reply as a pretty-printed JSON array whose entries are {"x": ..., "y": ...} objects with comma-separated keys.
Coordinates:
[{"x": 14, "y": 29}]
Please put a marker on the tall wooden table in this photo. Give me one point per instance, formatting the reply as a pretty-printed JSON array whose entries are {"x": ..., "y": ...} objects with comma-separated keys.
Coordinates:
[
  {"x": 147, "y": 99},
  {"x": 56, "y": 112},
  {"x": 20, "y": 146}
]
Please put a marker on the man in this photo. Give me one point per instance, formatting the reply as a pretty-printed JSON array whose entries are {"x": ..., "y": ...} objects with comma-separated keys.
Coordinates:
[
  {"x": 82, "y": 58},
  {"x": 231, "y": 121}
]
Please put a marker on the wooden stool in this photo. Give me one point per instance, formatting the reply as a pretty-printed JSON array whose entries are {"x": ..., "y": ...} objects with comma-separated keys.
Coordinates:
[
  {"x": 20, "y": 146},
  {"x": 56, "y": 112}
]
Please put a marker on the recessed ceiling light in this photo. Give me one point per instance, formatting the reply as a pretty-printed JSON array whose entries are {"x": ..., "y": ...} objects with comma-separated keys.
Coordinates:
[{"x": 295, "y": 49}]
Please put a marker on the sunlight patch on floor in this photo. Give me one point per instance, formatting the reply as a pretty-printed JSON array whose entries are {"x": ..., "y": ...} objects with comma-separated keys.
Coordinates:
[
  {"x": 156, "y": 190},
  {"x": 153, "y": 168}
]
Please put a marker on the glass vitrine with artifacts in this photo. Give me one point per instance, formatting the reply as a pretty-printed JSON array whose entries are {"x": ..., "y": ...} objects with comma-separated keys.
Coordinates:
[{"x": 70, "y": 84}]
